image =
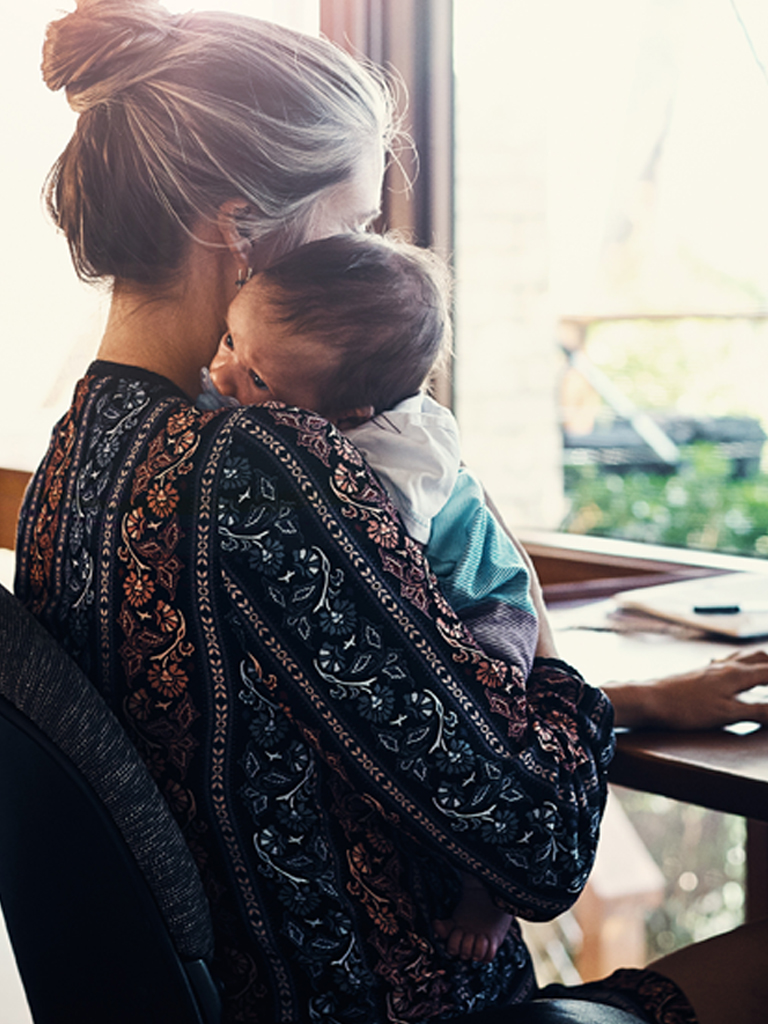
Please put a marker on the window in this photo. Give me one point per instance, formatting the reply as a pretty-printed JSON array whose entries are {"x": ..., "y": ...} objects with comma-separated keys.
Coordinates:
[{"x": 610, "y": 199}]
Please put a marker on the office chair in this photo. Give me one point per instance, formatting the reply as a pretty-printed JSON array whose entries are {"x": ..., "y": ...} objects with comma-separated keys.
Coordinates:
[
  {"x": 102, "y": 899},
  {"x": 103, "y": 902}
]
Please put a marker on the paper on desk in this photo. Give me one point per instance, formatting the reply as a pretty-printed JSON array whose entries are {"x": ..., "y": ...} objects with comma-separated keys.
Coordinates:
[
  {"x": 676, "y": 602},
  {"x": 607, "y": 616},
  {"x": 609, "y": 645}
]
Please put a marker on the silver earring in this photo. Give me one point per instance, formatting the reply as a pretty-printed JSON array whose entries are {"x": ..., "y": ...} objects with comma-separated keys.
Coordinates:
[{"x": 243, "y": 276}]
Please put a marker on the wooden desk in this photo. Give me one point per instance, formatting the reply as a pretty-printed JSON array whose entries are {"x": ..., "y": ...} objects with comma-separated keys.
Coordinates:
[
  {"x": 724, "y": 769},
  {"x": 13, "y": 483},
  {"x": 718, "y": 769}
]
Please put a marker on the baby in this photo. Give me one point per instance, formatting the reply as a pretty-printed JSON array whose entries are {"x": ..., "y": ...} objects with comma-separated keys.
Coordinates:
[{"x": 350, "y": 327}]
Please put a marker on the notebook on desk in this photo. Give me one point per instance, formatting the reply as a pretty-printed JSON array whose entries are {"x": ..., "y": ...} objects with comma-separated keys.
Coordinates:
[{"x": 734, "y": 605}]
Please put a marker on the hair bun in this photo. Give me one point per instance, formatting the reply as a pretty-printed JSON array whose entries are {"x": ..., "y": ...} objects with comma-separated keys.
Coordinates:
[{"x": 102, "y": 47}]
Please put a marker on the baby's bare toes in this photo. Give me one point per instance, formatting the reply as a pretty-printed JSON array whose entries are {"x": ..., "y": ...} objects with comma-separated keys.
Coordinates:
[
  {"x": 481, "y": 949},
  {"x": 454, "y": 943}
]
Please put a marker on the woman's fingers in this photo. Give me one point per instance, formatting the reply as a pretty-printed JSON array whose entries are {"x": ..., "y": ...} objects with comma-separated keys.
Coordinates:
[
  {"x": 744, "y": 672},
  {"x": 705, "y": 698},
  {"x": 757, "y": 658},
  {"x": 711, "y": 697}
]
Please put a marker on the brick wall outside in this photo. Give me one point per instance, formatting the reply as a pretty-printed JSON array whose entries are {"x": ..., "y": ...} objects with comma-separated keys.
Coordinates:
[{"x": 506, "y": 360}]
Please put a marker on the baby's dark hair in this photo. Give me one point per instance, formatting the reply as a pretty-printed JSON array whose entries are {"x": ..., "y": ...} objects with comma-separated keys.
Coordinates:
[{"x": 380, "y": 305}]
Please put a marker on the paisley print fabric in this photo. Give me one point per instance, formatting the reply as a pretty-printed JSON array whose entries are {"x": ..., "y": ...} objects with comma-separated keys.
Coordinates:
[{"x": 334, "y": 743}]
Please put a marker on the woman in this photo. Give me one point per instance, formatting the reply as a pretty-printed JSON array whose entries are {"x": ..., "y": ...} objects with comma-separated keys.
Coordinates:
[{"x": 333, "y": 743}]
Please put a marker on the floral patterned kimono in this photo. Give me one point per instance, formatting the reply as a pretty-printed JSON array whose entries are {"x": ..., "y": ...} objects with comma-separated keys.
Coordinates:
[{"x": 331, "y": 739}]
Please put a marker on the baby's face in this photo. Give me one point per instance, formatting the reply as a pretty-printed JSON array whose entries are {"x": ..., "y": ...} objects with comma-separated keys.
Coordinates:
[{"x": 258, "y": 358}]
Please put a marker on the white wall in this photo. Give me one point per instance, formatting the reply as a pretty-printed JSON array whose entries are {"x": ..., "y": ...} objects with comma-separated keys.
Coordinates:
[
  {"x": 51, "y": 323},
  {"x": 506, "y": 360}
]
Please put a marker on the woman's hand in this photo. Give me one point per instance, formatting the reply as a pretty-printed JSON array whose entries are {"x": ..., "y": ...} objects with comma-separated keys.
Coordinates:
[{"x": 705, "y": 698}]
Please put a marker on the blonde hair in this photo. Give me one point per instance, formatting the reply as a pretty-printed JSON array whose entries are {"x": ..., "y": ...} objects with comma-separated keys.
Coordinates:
[{"x": 180, "y": 113}]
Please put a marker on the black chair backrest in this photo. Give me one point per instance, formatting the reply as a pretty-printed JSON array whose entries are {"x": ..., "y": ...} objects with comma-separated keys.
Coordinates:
[
  {"x": 553, "y": 1011},
  {"x": 102, "y": 899}
]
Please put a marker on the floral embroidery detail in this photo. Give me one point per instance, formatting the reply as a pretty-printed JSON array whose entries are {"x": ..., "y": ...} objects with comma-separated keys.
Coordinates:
[
  {"x": 138, "y": 588},
  {"x": 338, "y": 617},
  {"x": 168, "y": 677},
  {"x": 167, "y": 618},
  {"x": 156, "y": 653},
  {"x": 412, "y": 966},
  {"x": 294, "y": 852},
  {"x": 140, "y": 705},
  {"x": 180, "y": 422},
  {"x": 135, "y": 524},
  {"x": 358, "y": 747},
  {"x": 162, "y": 498},
  {"x": 412, "y": 577},
  {"x": 383, "y": 533},
  {"x": 315, "y": 434},
  {"x": 412, "y": 729},
  {"x": 115, "y": 415},
  {"x": 345, "y": 480}
]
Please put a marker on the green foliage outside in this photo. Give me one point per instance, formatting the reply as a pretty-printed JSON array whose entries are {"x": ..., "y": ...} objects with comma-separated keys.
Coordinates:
[{"x": 700, "y": 506}]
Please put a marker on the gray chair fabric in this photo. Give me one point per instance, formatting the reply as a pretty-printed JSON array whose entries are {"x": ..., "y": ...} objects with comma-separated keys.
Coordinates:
[{"x": 49, "y": 689}]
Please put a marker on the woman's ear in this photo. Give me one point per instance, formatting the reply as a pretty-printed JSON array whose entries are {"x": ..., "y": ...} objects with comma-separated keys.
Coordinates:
[{"x": 230, "y": 219}]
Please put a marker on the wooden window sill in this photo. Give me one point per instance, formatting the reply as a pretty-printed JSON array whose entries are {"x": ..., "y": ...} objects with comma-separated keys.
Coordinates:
[{"x": 571, "y": 566}]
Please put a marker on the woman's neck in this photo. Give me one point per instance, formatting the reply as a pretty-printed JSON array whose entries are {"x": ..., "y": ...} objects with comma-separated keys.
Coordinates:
[{"x": 174, "y": 331}]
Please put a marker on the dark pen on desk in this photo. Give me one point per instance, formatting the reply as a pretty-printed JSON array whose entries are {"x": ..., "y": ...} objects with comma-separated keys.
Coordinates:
[{"x": 716, "y": 609}]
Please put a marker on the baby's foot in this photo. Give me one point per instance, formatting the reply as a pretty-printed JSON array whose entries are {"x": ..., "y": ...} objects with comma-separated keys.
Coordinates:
[{"x": 476, "y": 928}]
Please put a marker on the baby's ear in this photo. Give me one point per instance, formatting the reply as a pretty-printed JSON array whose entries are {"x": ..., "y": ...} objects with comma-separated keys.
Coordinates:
[{"x": 353, "y": 417}]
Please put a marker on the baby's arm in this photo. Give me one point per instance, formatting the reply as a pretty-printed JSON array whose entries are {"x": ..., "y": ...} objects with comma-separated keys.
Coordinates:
[
  {"x": 483, "y": 574},
  {"x": 489, "y": 582}
]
